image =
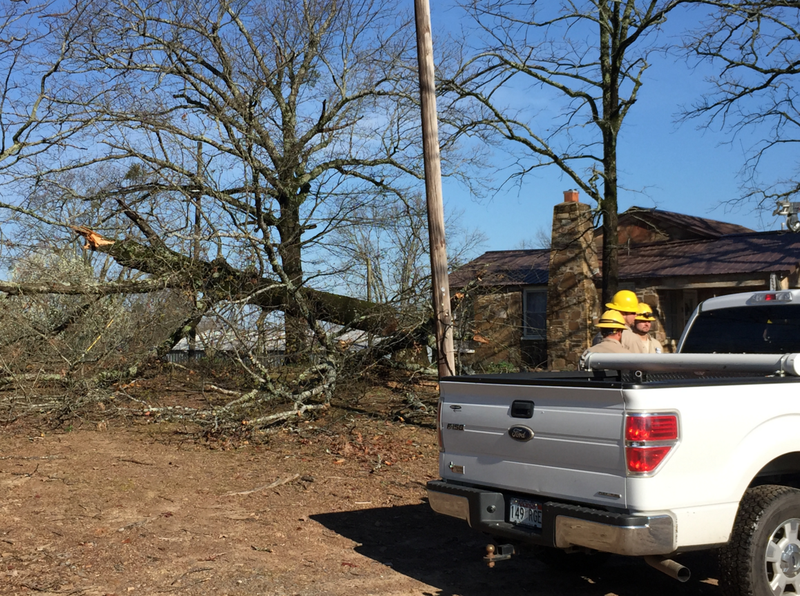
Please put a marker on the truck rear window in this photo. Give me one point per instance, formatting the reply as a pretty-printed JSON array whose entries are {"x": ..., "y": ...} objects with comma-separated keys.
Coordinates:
[{"x": 762, "y": 329}]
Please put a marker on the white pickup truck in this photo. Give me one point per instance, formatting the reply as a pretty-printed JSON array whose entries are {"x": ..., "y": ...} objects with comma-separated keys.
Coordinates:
[{"x": 643, "y": 455}]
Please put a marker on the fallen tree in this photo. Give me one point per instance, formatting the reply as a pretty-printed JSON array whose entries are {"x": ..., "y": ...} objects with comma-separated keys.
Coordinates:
[
  {"x": 265, "y": 403},
  {"x": 218, "y": 280},
  {"x": 258, "y": 132}
]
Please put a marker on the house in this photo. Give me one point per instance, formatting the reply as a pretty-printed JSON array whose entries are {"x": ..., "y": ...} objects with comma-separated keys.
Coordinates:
[
  {"x": 533, "y": 308},
  {"x": 267, "y": 345}
]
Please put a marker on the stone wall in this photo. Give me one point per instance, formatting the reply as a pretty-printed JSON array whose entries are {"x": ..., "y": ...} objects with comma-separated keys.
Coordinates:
[{"x": 571, "y": 295}]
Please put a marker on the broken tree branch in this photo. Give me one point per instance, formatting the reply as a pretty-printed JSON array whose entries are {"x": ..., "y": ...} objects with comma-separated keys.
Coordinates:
[{"x": 218, "y": 280}]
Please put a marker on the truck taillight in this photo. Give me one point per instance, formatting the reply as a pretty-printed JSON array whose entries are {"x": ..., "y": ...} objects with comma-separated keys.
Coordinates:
[
  {"x": 643, "y": 460},
  {"x": 648, "y": 440},
  {"x": 648, "y": 427}
]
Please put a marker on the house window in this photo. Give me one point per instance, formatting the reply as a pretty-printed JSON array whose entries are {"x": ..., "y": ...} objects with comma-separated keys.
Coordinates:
[{"x": 535, "y": 305}]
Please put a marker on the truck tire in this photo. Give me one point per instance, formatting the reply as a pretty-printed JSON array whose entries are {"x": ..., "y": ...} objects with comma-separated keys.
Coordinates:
[{"x": 762, "y": 557}]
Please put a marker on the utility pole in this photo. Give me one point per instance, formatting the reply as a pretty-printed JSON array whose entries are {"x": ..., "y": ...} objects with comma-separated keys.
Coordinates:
[
  {"x": 369, "y": 295},
  {"x": 433, "y": 191},
  {"x": 196, "y": 195}
]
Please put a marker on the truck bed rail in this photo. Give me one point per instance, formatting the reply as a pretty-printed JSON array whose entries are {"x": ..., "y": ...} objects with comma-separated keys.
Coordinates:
[{"x": 779, "y": 364}]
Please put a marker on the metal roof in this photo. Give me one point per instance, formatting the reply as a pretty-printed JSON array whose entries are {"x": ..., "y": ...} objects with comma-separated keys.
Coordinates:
[
  {"x": 732, "y": 254},
  {"x": 505, "y": 268},
  {"x": 756, "y": 252},
  {"x": 700, "y": 227}
]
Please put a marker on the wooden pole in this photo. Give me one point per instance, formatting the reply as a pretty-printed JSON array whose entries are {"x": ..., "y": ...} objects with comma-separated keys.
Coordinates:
[
  {"x": 433, "y": 191},
  {"x": 196, "y": 195}
]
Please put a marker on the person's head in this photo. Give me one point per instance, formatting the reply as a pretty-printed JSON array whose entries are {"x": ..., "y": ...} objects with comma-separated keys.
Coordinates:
[
  {"x": 644, "y": 319},
  {"x": 611, "y": 324},
  {"x": 626, "y": 303}
]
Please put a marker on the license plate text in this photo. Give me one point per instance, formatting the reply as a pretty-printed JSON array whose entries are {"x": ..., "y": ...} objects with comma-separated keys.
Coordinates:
[{"x": 525, "y": 513}]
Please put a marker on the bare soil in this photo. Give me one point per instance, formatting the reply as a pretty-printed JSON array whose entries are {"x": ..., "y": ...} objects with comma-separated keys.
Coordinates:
[{"x": 330, "y": 506}]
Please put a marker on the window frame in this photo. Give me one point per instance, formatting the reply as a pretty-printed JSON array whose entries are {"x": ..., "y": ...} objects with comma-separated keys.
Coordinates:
[{"x": 526, "y": 330}]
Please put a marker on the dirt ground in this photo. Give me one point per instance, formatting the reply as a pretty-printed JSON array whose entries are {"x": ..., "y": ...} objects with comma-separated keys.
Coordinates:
[{"x": 331, "y": 506}]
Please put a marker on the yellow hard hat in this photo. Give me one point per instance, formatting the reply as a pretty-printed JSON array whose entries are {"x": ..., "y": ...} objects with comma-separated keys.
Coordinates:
[
  {"x": 624, "y": 301},
  {"x": 644, "y": 312},
  {"x": 611, "y": 319}
]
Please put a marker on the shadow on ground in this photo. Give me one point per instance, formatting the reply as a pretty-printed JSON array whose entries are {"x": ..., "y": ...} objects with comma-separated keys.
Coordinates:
[{"x": 447, "y": 555}]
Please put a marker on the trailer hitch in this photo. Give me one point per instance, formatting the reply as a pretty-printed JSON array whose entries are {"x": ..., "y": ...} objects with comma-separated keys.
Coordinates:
[{"x": 500, "y": 552}]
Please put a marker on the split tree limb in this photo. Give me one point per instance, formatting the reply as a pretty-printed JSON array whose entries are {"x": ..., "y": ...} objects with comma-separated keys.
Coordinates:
[
  {"x": 92, "y": 289},
  {"x": 218, "y": 281}
]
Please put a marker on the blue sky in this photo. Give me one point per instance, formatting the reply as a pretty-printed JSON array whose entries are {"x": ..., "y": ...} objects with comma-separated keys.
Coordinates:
[{"x": 687, "y": 167}]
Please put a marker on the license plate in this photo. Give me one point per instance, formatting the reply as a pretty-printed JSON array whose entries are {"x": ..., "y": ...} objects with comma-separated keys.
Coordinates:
[{"x": 525, "y": 513}]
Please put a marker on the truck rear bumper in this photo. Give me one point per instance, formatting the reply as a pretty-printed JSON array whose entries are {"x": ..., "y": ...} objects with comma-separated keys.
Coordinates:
[{"x": 563, "y": 525}]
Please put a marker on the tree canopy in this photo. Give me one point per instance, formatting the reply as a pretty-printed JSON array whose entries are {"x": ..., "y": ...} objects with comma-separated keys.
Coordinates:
[{"x": 584, "y": 63}]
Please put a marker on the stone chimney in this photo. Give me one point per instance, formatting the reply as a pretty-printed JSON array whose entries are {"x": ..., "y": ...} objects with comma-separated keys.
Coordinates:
[{"x": 571, "y": 295}]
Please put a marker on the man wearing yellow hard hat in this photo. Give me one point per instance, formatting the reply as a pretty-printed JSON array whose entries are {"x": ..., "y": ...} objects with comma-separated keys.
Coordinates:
[
  {"x": 626, "y": 304},
  {"x": 641, "y": 331},
  {"x": 612, "y": 326}
]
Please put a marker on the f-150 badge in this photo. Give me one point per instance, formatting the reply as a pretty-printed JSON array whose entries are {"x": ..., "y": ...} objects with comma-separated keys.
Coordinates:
[{"x": 520, "y": 433}]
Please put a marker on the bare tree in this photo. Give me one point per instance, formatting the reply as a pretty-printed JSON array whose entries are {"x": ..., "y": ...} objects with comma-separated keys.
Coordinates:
[
  {"x": 267, "y": 123},
  {"x": 229, "y": 140},
  {"x": 586, "y": 58},
  {"x": 43, "y": 336},
  {"x": 754, "y": 45}
]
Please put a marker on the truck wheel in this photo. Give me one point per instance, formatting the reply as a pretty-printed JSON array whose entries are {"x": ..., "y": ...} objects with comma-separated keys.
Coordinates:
[{"x": 762, "y": 557}]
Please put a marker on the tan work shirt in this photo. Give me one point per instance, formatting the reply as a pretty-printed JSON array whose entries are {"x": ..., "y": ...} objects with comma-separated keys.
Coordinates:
[
  {"x": 654, "y": 346},
  {"x": 632, "y": 342},
  {"x": 628, "y": 338},
  {"x": 638, "y": 345},
  {"x": 609, "y": 346}
]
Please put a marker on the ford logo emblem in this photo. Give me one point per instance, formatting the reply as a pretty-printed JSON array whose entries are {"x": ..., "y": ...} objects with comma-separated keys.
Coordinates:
[{"x": 520, "y": 433}]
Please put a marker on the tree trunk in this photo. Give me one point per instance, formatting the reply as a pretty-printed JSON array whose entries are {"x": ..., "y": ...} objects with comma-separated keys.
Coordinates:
[
  {"x": 610, "y": 59},
  {"x": 610, "y": 246},
  {"x": 295, "y": 325}
]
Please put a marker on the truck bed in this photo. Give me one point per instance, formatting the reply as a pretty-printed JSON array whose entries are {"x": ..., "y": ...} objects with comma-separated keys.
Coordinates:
[{"x": 576, "y": 449}]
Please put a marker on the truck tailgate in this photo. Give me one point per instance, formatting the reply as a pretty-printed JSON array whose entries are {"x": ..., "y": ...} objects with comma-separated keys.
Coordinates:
[{"x": 576, "y": 451}]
